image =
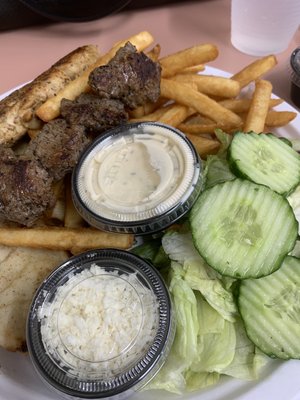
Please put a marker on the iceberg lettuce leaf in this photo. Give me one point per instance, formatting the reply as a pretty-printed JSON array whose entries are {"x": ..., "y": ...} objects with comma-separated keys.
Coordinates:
[
  {"x": 200, "y": 380},
  {"x": 248, "y": 360},
  {"x": 294, "y": 200},
  {"x": 217, "y": 168},
  {"x": 185, "y": 305},
  {"x": 171, "y": 375},
  {"x": 199, "y": 276},
  {"x": 210, "y": 339},
  {"x": 217, "y": 338},
  {"x": 184, "y": 348}
]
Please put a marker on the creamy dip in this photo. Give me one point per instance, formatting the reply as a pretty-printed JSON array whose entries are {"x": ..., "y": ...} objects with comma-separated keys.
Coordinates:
[{"x": 138, "y": 174}]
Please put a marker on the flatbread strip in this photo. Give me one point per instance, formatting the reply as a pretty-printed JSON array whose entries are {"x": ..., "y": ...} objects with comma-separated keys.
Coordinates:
[
  {"x": 22, "y": 270},
  {"x": 17, "y": 111}
]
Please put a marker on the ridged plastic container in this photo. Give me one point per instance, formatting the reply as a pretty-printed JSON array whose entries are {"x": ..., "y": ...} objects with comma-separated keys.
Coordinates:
[
  {"x": 112, "y": 374},
  {"x": 138, "y": 178}
]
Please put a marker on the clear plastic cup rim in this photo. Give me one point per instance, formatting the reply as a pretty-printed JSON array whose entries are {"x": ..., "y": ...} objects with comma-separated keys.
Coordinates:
[
  {"x": 132, "y": 378},
  {"x": 160, "y": 216}
]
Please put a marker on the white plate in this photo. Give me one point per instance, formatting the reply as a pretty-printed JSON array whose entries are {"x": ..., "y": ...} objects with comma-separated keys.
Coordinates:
[{"x": 280, "y": 381}]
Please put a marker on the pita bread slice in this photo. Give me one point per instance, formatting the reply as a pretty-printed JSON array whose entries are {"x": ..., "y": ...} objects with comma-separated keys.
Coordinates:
[{"x": 22, "y": 270}]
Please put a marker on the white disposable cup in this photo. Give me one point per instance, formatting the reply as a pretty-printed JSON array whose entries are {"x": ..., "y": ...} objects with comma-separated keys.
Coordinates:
[{"x": 261, "y": 27}]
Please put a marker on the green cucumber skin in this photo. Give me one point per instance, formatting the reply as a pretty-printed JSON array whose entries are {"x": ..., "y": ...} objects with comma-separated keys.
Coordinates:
[
  {"x": 285, "y": 140},
  {"x": 207, "y": 258},
  {"x": 268, "y": 340},
  {"x": 238, "y": 171}
]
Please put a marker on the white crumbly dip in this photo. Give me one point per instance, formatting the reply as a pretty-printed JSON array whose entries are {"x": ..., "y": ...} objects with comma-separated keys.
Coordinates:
[
  {"x": 99, "y": 323},
  {"x": 137, "y": 175}
]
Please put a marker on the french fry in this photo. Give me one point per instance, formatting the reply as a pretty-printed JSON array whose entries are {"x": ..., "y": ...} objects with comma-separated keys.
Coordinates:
[
  {"x": 51, "y": 108},
  {"x": 72, "y": 219},
  {"x": 32, "y": 133},
  {"x": 154, "y": 116},
  {"x": 58, "y": 211},
  {"x": 242, "y": 105},
  {"x": 211, "y": 85},
  {"x": 255, "y": 70},
  {"x": 198, "y": 119},
  {"x": 154, "y": 53},
  {"x": 176, "y": 114},
  {"x": 194, "y": 69},
  {"x": 256, "y": 117},
  {"x": 275, "y": 118},
  {"x": 202, "y": 128},
  {"x": 279, "y": 118},
  {"x": 195, "y": 55},
  {"x": 185, "y": 95},
  {"x": 203, "y": 145},
  {"x": 147, "y": 108},
  {"x": 61, "y": 238}
]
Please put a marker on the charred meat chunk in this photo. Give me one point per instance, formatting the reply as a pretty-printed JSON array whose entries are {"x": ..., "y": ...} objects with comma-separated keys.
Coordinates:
[
  {"x": 58, "y": 146},
  {"x": 130, "y": 76},
  {"x": 25, "y": 189},
  {"x": 94, "y": 113}
]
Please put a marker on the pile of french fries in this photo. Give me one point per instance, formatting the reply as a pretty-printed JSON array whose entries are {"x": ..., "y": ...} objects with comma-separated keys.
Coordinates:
[{"x": 192, "y": 101}]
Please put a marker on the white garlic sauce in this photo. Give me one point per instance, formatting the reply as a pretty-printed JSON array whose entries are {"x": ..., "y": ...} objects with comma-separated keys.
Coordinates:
[{"x": 138, "y": 175}]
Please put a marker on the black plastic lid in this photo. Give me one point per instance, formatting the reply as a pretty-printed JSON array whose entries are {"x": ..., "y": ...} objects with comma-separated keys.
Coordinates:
[{"x": 75, "y": 10}]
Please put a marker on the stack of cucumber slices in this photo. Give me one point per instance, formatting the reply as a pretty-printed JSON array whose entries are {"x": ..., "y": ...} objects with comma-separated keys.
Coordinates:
[{"x": 245, "y": 228}]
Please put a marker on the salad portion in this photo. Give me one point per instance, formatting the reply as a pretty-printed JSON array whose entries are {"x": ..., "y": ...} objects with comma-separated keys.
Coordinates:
[{"x": 232, "y": 321}]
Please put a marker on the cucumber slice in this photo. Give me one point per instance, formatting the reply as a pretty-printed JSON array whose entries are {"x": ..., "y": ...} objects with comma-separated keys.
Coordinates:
[
  {"x": 270, "y": 309},
  {"x": 242, "y": 229},
  {"x": 265, "y": 159}
]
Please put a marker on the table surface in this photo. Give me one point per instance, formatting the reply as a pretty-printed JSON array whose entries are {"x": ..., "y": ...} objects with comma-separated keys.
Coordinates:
[{"x": 27, "y": 52}]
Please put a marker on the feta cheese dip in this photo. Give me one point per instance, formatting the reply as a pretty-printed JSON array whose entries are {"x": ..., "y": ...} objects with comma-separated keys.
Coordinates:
[
  {"x": 137, "y": 178},
  {"x": 101, "y": 323},
  {"x": 98, "y": 316}
]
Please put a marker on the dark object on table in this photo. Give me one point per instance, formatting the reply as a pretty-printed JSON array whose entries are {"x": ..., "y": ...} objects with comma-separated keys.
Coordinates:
[
  {"x": 75, "y": 10},
  {"x": 295, "y": 77},
  {"x": 20, "y": 13}
]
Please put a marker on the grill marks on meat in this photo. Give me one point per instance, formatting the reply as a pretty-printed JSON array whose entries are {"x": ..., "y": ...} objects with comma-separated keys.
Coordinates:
[
  {"x": 130, "y": 76},
  {"x": 25, "y": 188},
  {"x": 94, "y": 113},
  {"x": 58, "y": 147}
]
